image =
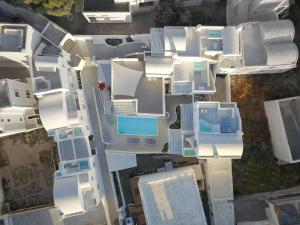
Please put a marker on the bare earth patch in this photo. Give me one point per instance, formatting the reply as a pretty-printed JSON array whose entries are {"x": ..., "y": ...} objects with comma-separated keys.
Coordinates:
[
  {"x": 27, "y": 162},
  {"x": 257, "y": 171}
]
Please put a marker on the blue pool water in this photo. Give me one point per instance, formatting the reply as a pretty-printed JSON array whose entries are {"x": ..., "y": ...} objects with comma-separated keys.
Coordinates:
[
  {"x": 204, "y": 126},
  {"x": 215, "y": 34},
  {"x": 83, "y": 165},
  {"x": 137, "y": 125}
]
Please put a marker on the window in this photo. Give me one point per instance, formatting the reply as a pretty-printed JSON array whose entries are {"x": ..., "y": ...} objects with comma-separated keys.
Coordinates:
[
  {"x": 17, "y": 94},
  {"x": 8, "y": 120},
  {"x": 21, "y": 119},
  {"x": 2, "y": 120},
  {"x": 27, "y": 93}
]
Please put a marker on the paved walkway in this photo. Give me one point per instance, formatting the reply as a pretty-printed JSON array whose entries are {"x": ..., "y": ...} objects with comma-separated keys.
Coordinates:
[{"x": 89, "y": 80}]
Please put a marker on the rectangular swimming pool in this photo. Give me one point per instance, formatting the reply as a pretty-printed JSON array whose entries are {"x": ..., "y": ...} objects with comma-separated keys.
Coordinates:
[{"x": 137, "y": 125}]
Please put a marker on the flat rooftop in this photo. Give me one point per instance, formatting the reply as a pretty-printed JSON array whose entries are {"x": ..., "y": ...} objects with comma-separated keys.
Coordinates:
[
  {"x": 105, "y": 6},
  {"x": 12, "y": 38},
  {"x": 54, "y": 33},
  {"x": 171, "y": 198},
  {"x": 130, "y": 82},
  {"x": 254, "y": 49},
  {"x": 290, "y": 111}
]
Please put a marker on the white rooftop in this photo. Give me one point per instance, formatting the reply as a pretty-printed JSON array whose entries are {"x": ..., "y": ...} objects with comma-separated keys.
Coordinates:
[
  {"x": 172, "y": 198},
  {"x": 67, "y": 196}
]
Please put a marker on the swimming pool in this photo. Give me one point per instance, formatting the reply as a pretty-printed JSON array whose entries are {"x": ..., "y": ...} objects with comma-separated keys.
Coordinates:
[
  {"x": 137, "y": 125},
  {"x": 215, "y": 34}
]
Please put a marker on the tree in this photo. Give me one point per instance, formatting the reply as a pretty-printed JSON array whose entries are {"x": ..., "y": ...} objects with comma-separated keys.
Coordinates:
[
  {"x": 51, "y": 7},
  {"x": 58, "y": 7},
  {"x": 168, "y": 13}
]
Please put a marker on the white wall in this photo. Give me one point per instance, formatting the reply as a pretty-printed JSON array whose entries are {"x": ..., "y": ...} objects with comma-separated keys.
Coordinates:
[
  {"x": 279, "y": 140},
  {"x": 17, "y": 93}
]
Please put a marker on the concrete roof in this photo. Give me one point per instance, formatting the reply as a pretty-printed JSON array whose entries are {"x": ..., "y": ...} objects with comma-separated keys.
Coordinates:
[
  {"x": 264, "y": 43},
  {"x": 12, "y": 37},
  {"x": 52, "y": 111},
  {"x": 45, "y": 216},
  {"x": 125, "y": 79},
  {"x": 175, "y": 39},
  {"x": 231, "y": 41},
  {"x": 130, "y": 82},
  {"x": 67, "y": 196},
  {"x": 171, "y": 198},
  {"x": 219, "y": 179},
  {"x": 290, "y": 112},
  {"x": 158, "y": 65}
]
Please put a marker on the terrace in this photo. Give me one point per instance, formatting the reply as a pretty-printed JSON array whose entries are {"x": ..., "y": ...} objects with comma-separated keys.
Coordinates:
[
  {"x": 218, "y": 129},
  {"x": 195, "y": 74},
  {"x": 12, "y": 38},
  {"x": 130, "y": 83},
  {"x": 217, "y": 118}
]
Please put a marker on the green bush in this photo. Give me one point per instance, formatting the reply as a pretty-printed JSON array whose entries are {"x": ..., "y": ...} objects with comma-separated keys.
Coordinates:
[
  {"x": 113, "y": 41},
  {"x": 57, "y": 8}
]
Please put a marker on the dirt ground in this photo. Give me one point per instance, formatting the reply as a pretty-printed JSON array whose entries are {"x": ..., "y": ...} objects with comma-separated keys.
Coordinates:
[
  {"x": 26, "y": 167},
  {"x": 257, "y": 171}
]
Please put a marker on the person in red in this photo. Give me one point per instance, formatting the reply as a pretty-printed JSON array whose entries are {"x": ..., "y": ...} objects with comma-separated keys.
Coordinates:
[{"x": 101, "y": 86}]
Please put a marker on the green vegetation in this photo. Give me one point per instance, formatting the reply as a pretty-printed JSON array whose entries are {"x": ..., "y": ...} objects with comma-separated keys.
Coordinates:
[
  {"x": 172, "y": 13},
  {"x": 113, "y": 41},
  {"x": 165, "y": 148},
  {"x": 257, "y": 171},
  {"x": 176, "y": 124},
  {"x": 169, "y": 12},
  {"x": 57, "y": 8}
]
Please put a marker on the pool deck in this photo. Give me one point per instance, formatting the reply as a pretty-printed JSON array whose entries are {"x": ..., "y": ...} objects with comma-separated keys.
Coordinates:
[
  {"x": 117, "y": 142},
  {"x": 120, "y": 142}
]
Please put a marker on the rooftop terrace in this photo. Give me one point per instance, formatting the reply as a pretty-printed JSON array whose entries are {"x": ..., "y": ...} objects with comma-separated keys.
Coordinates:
[{"x": 12, "y": 38}]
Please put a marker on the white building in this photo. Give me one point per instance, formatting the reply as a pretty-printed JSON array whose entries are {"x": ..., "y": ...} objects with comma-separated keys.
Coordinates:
[
  {"x": 284, "y": 121},
  {"x": 76, "y": 184},
  {"x": 171, "y": 197},
  {"x": 208, "y": 130},
  {"x": 118, "y": 11},
  {"x": 218, "y": 175},
  {"x": 18, "y": 43},
  {"x": 243, "y": 11},
  {"x": 249, "y": 48},
  {"x": 17, "y": 113},
  {"x": 63, "y": 112}
]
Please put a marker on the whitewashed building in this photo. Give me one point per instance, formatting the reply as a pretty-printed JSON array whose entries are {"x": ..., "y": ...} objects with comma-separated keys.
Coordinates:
[
  {"x": 167, "y": 201},
  {"x": 219, "y": 185},
  {"x": 18, "y": 43},
  {"x": 17, "y": 112},
  {"x": 284, "y": 120}
]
